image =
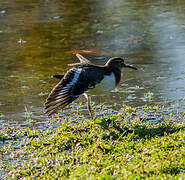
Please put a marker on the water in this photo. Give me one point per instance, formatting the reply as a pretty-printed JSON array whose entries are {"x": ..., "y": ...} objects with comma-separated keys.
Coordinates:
[{"x": 38, "y": 37}]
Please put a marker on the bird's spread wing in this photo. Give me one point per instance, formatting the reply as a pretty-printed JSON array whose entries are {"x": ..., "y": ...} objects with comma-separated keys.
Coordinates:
[
  {"x": 74, "y": 83},
  {"x": 61, "y": 95},
  {"x": 82, "y": 59}
]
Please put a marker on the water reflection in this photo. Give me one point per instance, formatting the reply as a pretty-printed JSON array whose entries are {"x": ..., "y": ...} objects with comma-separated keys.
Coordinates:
[{"x": 37, "y": 37}]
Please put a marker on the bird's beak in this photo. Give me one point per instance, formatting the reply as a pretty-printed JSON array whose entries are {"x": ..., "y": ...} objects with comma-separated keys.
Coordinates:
[{"x": 130, "y": 66}]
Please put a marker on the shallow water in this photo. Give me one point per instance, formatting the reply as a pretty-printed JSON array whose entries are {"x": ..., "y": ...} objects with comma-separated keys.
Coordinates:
[{"x": 38, "y": 38}]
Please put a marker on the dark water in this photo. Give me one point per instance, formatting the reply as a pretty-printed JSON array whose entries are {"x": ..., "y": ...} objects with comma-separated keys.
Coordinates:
[{"x": 37, "y": 37}]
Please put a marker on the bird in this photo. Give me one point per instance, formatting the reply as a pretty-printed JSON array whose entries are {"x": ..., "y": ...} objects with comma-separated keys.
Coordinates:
[{"x": 81, "y": 79}]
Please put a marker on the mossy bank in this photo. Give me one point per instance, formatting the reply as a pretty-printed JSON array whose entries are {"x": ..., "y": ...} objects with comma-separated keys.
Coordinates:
[{"x": 126, "y": 145}]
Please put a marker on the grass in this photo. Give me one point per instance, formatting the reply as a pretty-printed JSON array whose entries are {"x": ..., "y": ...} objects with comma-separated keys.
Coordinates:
[{"x": 124, "y": 146}]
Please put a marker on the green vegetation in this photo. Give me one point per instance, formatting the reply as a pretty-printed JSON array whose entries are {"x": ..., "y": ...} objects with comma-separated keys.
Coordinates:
[{"x": 124, "y": 146}]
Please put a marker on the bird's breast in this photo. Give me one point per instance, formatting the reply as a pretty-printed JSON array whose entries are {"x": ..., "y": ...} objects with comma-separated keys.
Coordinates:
[{"x": 107, "y": 84}]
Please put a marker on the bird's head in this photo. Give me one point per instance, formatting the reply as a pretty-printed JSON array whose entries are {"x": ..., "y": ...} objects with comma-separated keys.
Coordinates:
[{"x": 117, "y": 62}]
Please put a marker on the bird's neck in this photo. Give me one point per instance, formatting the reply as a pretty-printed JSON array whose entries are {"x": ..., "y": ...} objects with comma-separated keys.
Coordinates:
[{"x": 117, "y": 73}]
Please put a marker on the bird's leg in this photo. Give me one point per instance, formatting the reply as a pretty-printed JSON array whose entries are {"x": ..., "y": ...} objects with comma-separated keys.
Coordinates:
[{"x": 89, "y": 105}]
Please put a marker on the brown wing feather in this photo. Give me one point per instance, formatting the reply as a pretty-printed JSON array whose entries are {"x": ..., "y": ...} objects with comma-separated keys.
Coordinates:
[{"x": 61, "y": 95}]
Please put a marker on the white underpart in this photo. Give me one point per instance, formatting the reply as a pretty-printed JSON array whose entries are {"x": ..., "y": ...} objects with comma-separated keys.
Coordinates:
[
  {"x": 72, "y": 82},
  {"x": 106, "y": 85}
]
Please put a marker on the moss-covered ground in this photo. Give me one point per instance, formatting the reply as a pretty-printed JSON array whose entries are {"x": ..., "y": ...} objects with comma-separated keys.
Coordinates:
[{"x": 123, "y": 146}]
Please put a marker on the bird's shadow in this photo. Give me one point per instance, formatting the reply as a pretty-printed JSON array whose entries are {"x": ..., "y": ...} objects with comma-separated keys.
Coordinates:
[{"x": 140, "y": 130}]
